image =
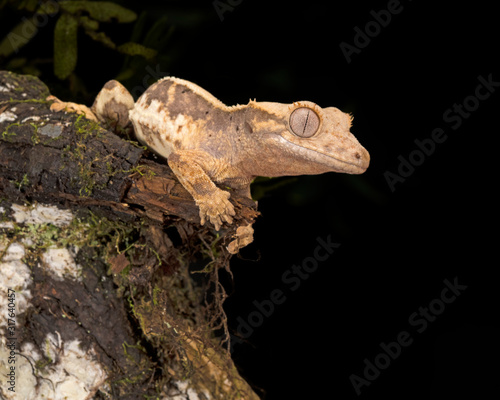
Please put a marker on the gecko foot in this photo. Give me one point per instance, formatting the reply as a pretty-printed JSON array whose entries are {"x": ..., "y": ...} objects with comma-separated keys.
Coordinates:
[
  {"x": 59, "y": 105},
  {"x": 216, "y": 208}
]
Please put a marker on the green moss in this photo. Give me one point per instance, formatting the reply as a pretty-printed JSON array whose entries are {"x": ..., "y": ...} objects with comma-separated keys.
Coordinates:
[
  {"x": 90, "y": 163},
  {"x": 85, "y": 175},
  {"x": 35, "y": 138},
  {"x": 85, "y": 127},
  {"x": 17, "y": 101},
  {"x": 10, "y": 131},
  {"x": 44, "y": 361},
  {"x": 85, "y": 178},
  {"x": 156, "y": 291},
  {"x": 105, "y": 236},
  {"x": 24, "y": 182},
  {"x": 132, "y": 359},
  {"x": 142, "y": 170},
  {"x": 6, "y": 135}
]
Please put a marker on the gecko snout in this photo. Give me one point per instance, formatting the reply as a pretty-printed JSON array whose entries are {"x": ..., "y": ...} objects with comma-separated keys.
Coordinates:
[{"x": 362, "y": 160}]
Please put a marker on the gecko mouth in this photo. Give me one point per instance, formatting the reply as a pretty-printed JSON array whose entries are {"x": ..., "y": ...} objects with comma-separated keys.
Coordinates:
[{"x": 357, "y": 165}]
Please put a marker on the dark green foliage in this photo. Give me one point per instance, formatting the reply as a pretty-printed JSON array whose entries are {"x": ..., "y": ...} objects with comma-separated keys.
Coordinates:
[
  {"x": 136, "y": 49},
  {"x": 71, "y": 17},
  {"x": 65, "y": 45},
  {"x": 102, "y": 11}
]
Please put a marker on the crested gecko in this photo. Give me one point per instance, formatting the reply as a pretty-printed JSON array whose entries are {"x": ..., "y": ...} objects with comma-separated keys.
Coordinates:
[{"x": 207, "y": 143}]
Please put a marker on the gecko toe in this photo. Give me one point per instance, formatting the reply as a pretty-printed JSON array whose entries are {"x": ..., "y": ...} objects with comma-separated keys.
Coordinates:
[
  {"x": 217, "y": 209},
  {"x": 202, "y": 219}
]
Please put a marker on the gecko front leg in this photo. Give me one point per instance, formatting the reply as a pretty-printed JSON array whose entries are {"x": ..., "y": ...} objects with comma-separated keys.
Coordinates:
[{"x": 190, "y": 167}]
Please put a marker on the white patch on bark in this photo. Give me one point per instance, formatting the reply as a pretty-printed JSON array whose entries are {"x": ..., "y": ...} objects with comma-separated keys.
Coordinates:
[
  {"x": 72, "y": 373},
  {"x": 61, "y": 264},
  {"x": 41, "y": 214},
  {"x": 14, "y": 275}
]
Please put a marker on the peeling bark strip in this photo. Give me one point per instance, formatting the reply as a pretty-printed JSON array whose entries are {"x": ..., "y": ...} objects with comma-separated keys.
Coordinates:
[{"x": 97, "y": 247}]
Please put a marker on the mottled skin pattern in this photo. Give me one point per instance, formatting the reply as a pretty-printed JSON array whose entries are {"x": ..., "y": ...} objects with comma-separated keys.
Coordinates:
[{"x": 208, "y": 143}]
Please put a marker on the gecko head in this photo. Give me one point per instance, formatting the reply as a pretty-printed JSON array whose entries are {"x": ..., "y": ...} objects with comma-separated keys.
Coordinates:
[{"x": 317, "y": 138}]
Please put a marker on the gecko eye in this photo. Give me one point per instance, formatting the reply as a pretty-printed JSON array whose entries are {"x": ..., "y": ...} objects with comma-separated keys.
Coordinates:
[{"x": 304, "y": 122}]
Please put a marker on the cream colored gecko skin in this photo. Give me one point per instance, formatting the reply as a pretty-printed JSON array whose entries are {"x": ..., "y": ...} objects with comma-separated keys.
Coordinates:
[{"x": 208, "y": 143}]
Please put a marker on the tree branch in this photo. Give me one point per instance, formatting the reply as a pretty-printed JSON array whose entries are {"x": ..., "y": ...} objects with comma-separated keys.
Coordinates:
[{"x": 99, "y": 243}]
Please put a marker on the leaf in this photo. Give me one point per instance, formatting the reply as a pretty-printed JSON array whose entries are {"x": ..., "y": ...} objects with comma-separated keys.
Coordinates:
[
  {"x": 28, "y": 5},
  {"x": 50, "y": 8},
  {"x": 103, "y": 11},
  {"x": 139, "y": 27},
  {"x": 158, "y": 35},
  {"x": 88, "y": 23},
  {"x": 21, "y": 34},
  {"x": 102, "y": 38},
  {"x": 136, "y": 49},
  {"x": 65, "y": 45}
]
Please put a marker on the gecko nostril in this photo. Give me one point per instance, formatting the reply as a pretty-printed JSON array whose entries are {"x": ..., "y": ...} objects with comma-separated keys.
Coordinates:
[{"x": 357, "y": 155}]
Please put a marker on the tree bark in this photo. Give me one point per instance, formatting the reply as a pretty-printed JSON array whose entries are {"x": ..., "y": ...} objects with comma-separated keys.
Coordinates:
[{"x": 109, "y": 285}]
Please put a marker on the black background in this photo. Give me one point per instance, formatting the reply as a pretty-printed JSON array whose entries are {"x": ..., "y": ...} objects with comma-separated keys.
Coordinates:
[{"x": 396, "y": 247}]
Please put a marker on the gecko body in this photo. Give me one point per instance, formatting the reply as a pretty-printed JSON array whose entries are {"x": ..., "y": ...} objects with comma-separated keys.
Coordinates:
[{"x": 208, "y": 144}]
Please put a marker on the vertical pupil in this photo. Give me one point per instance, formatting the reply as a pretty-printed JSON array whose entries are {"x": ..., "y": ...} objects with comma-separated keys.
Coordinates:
[{"x": 305, "y": 122}]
